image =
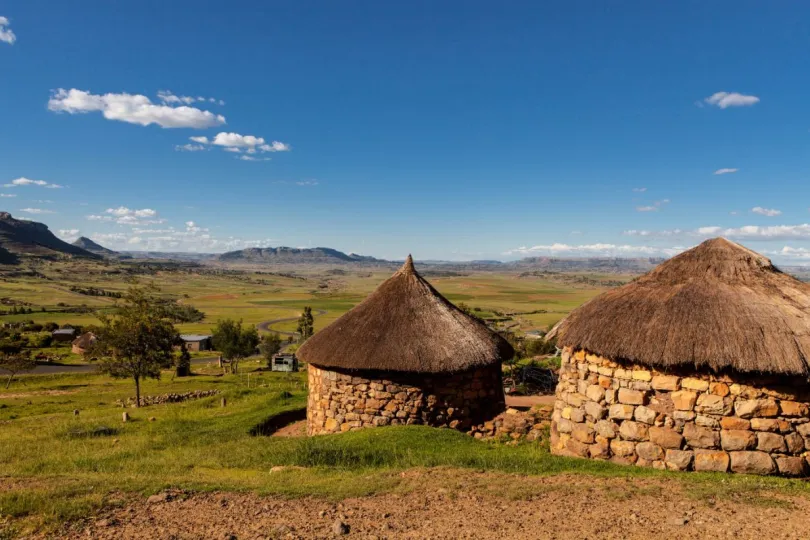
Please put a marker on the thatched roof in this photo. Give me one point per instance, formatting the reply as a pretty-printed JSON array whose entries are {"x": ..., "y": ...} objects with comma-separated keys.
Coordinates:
[
  {"x": 405, "y": 325},
  {"x": 719, "y": 306}
]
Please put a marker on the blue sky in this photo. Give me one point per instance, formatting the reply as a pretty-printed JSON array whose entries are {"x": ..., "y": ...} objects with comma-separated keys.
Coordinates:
[{"x": 453, "y": 130}]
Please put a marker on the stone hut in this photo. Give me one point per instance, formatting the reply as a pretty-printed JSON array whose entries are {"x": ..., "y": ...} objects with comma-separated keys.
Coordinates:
[
  {"x": 701, "y": 364},
  {"x": 405, "y": 355}
]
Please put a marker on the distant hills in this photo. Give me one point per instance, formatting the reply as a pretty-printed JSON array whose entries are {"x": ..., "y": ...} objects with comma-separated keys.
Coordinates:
[
  {"x": 20, "y": 237},
  {"x": 88, "y": 245},
  {"x": 288, "y": 255}
]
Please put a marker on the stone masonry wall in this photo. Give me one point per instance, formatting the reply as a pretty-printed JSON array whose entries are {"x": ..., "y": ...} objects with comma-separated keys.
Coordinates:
[
  {"x": 680, "y": 421},
  {"x": 341, "y": 400}
]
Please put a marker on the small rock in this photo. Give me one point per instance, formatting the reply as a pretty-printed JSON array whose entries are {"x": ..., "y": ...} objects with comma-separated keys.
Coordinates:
[
  {"x": 322, "y": 513},
  {"x": 75, "y": 412},
  {"x": 677, "y": 522},
  {"x": 340, "y": 528},
  {"x": 159, "y": 498},
  {"x": 152, "y": 418}
]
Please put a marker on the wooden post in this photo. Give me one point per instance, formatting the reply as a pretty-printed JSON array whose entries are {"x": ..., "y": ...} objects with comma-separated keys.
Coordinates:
[
  {"x": 224, "y": 402},
  {"x": 125, "y": 416}
]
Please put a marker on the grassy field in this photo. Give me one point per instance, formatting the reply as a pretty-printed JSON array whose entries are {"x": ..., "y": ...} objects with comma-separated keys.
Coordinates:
[{"x": 55, "y": 466}]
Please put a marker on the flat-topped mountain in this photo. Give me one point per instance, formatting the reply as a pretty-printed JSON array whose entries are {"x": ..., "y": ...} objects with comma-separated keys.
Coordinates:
[
  {"x": 93, "y": 247},
  {"x": 288, "y": 255},
  {"x": 21, "y": 237}
]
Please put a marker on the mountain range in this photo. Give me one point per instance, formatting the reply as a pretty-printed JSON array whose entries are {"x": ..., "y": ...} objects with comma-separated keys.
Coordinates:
[
  {"x": 19, "y": 237},
  {"x": 88, "y": 245}
]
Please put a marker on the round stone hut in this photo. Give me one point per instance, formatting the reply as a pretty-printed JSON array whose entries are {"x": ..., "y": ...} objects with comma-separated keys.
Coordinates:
[
  {"x": 701, "y": 364},
  {"x": 405, "y": 355}
]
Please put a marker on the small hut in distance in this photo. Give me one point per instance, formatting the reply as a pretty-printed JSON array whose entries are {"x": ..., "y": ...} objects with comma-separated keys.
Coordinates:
[
  {"x": 405, "y": 355},
  {"x": 701, "y": 364}
]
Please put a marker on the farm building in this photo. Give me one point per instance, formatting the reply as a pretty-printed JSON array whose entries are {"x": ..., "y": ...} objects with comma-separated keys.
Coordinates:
[
  {"x": 83, "y": 342},
  {"x": 285, "y": 362},
  {"x": 197, "y": 342},
  {"x": 64, "y": 334},
  {"x": 405, "y": 355},
  {"x": 701, "y": 364}
]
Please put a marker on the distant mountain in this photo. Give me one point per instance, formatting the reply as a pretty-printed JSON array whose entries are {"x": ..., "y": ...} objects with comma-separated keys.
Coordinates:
[
  {"x": 20, "y": 237},
  {"x": 87, "y": 244},
  {"x": 288, "y": 255},
  {"x": 591, "y": 264}
]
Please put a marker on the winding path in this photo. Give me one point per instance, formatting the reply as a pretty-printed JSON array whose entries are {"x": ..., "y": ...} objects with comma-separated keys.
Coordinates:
[{"x": 266, "y": 326}]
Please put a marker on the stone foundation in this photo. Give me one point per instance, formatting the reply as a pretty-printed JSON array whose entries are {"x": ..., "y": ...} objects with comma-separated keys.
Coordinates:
[
  {"x": 343, "y": 400},
  {"x": 631, "y": 414}
]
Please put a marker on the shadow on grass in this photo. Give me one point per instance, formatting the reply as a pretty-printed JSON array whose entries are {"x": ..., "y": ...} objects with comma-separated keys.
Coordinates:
[{"x": 273, "y": 423}]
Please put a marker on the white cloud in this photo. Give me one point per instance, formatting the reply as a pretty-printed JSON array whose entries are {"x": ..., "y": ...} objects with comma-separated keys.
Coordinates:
[
  {"x": 124, "y": 211},
  {"x": 134, "y": 240},
  {"x": 237, "y": 140},
  {"x": 770, "y": 212},
  {"x": 591, "y": 250},
  {"x": 307, "y": 183},
  {"x": 132, "y": 108},
  {"x": 69, "y": 234},
  {"x": 190, "y": 148},
  {"x": 6, "y": 35},
  {"x": 168, "y": 97},
  {"x": 725, "y": 171},
  {"x": 647, "y": 208},
  {"x": 746, "y": 232},
  {"x": 200, "y": 140},
  {"x": 275, "y": 146},
  {"x": 244, "y": 157},
  {"x": 36, "y": 211},
  {"x": 238, "y": 144},
  {"x": 22, "y": 181},
  {"x": 233, "y": 149},
  {"x": 7, "y": 195},
  {"x": 126, "y": 216},
  {"x": 731, "y": 99},
  {"x": 639, "y": 189}
]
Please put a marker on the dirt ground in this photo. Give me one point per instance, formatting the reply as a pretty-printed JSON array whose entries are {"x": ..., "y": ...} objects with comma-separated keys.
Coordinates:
[{"x": 450, "y": 504}]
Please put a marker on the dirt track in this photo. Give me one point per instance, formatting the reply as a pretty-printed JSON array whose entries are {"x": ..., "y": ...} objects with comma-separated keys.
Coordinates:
[{"x": 464, "y": 504}]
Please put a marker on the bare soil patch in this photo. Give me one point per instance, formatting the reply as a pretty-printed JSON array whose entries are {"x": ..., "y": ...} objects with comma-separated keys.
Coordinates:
[{"x": 451, "y": 504}]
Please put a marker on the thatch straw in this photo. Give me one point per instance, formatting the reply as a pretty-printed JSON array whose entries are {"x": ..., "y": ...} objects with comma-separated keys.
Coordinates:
[
  {"x": 405, "y": 325},
  {"x": 718, "y": 306}
]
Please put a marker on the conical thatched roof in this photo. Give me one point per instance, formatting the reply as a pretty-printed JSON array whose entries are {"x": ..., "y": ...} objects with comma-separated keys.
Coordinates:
[
  {"x": 405, "y": 325},
  {"x": 718, "y": 305}
]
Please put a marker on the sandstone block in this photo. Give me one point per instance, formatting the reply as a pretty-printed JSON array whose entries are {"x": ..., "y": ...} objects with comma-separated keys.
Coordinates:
[
  {"x": 732, "y": 422},
  {"x": 665, "y": 437},
  {"x": 649, "y": 451},
  {"x": 770, "y": 424},
  {"x": 631, "y": 397},
  {"x": 707, "y": 422},
  {"x": 708, "y": 460},
  {"x": 792, "y": 466},
  {"x": 644, "y": 414},
  {"x": 605, "y": 371},
  {"x": 683, "y": 416},
  {"x": 794, "y": 443},
  {"x": 622, "y": 448},
  {"x": 605, "y": 382},
  {"x": 608, "y": 429},
  {"x": 594, "y": 410},
  {"x": 599, "y": 450},
  {"x": 770, "y": 442},
  {"x": 577, "y": 448},
  {"x": 678, "y": 460},
  {"x": 623, "y": 374},
  {"x": 749, "y": 408},
  {"x": 684, "y": 400},
  {"x": 634, "y": 431},
  {"x": 719, "y": 389},
  {"x": 641, "y": 375},
  {"x": 582, "y": 433},
  {"x": 711, "y": 404},
  {"x": 690, "y": 383},
  {"x": 331, "y": 424},
  {"x": 735, "y": 439},
  {"x": 752, "y": 463},
  {"x": 610, "y": 395},
  {"x": 666, "y": 383},
  {"x": 700, "y": 437},
  {"x": 794, "y": 408},
  {"x": 619, "y": 411},
  {"x": 575, "y": 399},
  {"x": 577, "y": 415}
]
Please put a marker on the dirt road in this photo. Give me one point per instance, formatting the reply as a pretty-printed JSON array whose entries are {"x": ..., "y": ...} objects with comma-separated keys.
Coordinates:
[
  {"x": 450, "y": 504},
  {"x": 266, "y": 326}
]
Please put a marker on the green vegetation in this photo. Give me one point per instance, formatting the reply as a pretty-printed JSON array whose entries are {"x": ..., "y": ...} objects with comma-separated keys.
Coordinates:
[
  {"x": 234, "y": 341},
  {"x": 270, "y": 346},
  {"x": 306, "y": 325}
]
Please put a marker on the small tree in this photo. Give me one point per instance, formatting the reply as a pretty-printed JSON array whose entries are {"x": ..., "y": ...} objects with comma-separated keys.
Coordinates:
[
  {"x": 14, "y": 360},
  {"x": 234, "y": 341},
  {"x": 137, "y": 340},
  {"x": 306, "y": 324},
  {"x": 183, "y": 362},
  {"x": 269, "y": 347}
]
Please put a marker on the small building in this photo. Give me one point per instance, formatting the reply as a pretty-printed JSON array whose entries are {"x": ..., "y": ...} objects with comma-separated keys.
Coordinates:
[
  {"x": 64, "y": 334},
  {"x": 701, "y": 364},
  {"x": 405, "y": 355},
  {"x": 197, "y": 342},
  {"x": 82, "y": 343},
  {"x": 285, "y": 362}
]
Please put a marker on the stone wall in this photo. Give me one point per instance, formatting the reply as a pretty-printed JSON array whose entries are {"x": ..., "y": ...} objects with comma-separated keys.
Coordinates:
[
  {"x": 680, "y": 421},
  {"x": 342, "y": 400}
]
